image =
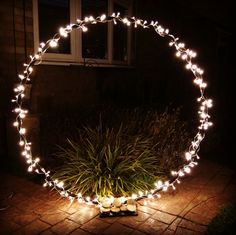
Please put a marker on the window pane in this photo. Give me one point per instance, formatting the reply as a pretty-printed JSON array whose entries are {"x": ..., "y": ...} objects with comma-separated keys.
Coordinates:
[
  {"x": 52, "y": 15},
  {"x": 120, "y": 35},
  {"x": 95, "y": 39}
]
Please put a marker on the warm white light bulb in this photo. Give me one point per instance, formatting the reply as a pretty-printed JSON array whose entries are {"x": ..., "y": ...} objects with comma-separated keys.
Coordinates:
[
  {"x": 22, "y": 131},
  {"x": 63, "y": 32},
  {"x": 53, "y": 43},
  {"x": 103, "y": 17},
  {"x": 203, "y": 85},
  {"x": 21, "y": 76},
  {"x": 188, "y": 156},
  {"x": 22, "y": 115},
  {"x": 91, "y": 18},
  {"x": 21, "y": 143},
  {"x": 140, "y": 193},
  {"x": 87, "y": 198},
  {"x": 84, "y": 29},
  {"x": 15, "y": 124},
  {"x": 60, "y": 184},
  {"x": 178, "y": 53},
  {"x": 125, "y": 20},
  {"x": 187, "y": 170},
  {"x": 17, "y": 110},
  {"x": 30, "y": 169},
  {"x": 21, "y": 88},
  {"x": 184, "y": 56},
  {"x": 164, "y": 188}
]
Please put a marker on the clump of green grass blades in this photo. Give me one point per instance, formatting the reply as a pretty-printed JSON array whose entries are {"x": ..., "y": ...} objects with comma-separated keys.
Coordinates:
[
  {"x": 106, "y": 161},
  {"x": 123, "y": 153}
]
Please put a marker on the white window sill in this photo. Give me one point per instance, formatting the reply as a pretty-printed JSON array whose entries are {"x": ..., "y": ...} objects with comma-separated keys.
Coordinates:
[{"x": 88, "y": 63}]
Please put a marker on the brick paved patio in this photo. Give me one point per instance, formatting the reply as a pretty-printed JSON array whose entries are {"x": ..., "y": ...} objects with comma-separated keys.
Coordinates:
[{"x": 32, "y": 209}]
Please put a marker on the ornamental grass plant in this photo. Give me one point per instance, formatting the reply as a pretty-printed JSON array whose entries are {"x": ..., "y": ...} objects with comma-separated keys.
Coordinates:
[
  {"x": 121, "y": 151},
  {"x": 105, "y": 161}
]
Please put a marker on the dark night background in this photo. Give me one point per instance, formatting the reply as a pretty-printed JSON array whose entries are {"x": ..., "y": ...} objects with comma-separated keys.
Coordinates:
[{"x": 157, "y": 77}]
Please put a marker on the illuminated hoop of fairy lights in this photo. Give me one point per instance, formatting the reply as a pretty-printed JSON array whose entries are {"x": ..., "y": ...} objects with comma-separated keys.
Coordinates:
[{"x": 187, "y": 55}]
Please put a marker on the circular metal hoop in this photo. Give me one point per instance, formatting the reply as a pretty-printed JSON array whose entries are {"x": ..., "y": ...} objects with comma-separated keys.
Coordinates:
[{"x": 187, "y": 55}]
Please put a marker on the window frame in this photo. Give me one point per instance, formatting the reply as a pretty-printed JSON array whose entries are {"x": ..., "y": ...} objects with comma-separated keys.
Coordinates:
[{"x": 75, "y": 57}]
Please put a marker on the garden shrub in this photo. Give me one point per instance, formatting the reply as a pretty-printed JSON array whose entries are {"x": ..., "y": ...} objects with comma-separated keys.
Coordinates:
[{"x": 118, "y": 151}]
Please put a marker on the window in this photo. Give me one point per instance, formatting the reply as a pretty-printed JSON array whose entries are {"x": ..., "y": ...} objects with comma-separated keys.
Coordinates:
[{"x": 102, "y": 44}]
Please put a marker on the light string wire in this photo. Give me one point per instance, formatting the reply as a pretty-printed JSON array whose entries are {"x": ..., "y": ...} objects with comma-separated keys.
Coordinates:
[{"x": 187, "y": 55}]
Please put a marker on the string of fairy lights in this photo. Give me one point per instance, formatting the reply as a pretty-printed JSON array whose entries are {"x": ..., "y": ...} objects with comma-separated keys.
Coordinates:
[{"x": 187, "y": 55}]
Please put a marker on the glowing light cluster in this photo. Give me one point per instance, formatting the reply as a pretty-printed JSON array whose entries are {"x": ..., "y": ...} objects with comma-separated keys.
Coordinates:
[{"x": 182, "y": 53}]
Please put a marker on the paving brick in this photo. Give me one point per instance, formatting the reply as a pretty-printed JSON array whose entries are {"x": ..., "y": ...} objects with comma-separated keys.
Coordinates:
[
  {"x": 65, "y": 227},
  {"x": 134, "y": 221},
  {"x": 109, "y": 220},
  {"x": 146, "y": 209},
  {"x": 80, "y": 232},
  {"x": 152, "y": 226},
  {"x": 218, "y": 183},
  {"x": 17, "y": 198},
  {"x": 175, "y": 204},
  {"x": 35, "y": 227},
  {"x": 164, "y": 217},
  {"x": 6, "y": 227},
  {"x": 34, "y": 209},
  {"x": 173, "y": 226},
  {"x": 47, "y": 232},
  {"x": 54, "y": 218},
  {"x": 203, "y": 218},
  {"x": 117, "y": 228},
  {"x": 192, "y": 226},
  {"x": 95, "y": 226},
  {"x": 136, "y": 232},
  {"x": 183, "y": 231},
  {"x": 50, "y": 196},
  {"x": 68, "y": 207},
  {"x": 10, "y": 213},
  {"x": 168, "y": 232},
  {"x": 25, "y": 218},
  {"x": 202, "y": 209},
  {"x": 85, "y": 214},
  {"x": 30, "y": 205},
  {"x": 17, "y": 216},
  {"x": 46, "y": 208}
]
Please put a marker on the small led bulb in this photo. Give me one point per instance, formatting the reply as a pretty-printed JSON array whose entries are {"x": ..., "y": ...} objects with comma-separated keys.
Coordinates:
[{"x": 53, "y": 43}]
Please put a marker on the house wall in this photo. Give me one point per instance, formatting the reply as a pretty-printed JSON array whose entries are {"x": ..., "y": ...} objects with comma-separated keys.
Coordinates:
[{"x": 16, "y": 43}]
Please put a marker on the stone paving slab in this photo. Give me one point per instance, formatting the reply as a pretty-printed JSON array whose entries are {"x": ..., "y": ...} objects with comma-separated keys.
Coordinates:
[{"x": 28, "y": 208}]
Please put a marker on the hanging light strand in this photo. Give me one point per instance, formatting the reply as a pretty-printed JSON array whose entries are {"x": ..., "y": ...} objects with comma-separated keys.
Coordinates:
[{"x": 182, "y": 53}]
